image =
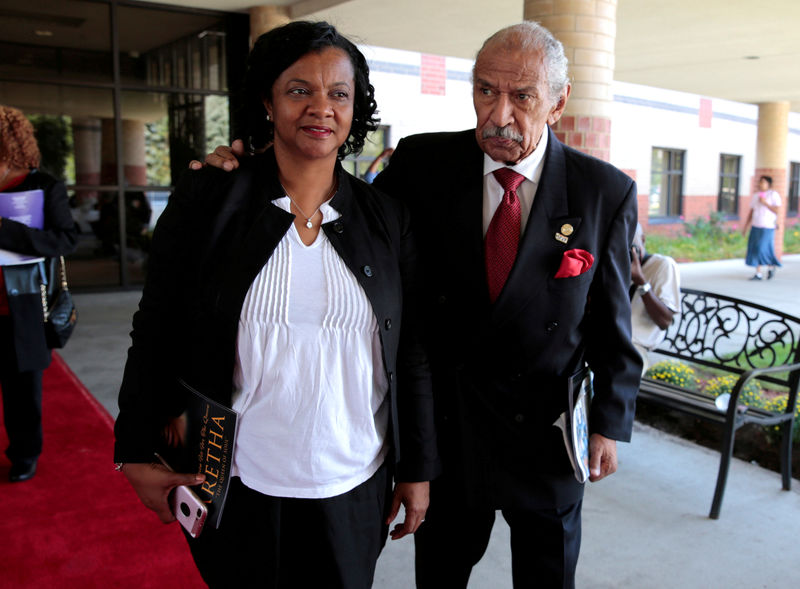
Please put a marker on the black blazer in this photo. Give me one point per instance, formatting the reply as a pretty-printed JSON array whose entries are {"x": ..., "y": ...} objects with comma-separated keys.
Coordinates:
[
  {"x": 217, "y": 232},
  {"x": 500, "y": 371},
  {"x": 58, "y": 238}
]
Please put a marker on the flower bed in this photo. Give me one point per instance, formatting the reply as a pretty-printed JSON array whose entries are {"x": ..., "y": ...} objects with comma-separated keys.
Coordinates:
[{"x": 753, "y": 443}]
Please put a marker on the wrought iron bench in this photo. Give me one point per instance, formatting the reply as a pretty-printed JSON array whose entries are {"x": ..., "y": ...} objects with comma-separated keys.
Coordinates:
[{"x": 738, "y": 338}]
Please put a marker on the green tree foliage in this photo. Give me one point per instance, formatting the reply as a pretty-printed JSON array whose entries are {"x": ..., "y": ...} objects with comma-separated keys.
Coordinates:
[
  {"x": 54, "y": 136},
  {"x": 156, "y": 146}
]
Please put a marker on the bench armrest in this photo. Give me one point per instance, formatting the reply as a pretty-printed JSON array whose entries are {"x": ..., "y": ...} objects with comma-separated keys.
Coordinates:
[{"x": 751, "y": 374}]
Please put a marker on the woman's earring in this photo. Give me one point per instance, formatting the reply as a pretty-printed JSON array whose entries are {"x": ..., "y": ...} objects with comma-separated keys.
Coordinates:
[{"x": 268, "y": 117}]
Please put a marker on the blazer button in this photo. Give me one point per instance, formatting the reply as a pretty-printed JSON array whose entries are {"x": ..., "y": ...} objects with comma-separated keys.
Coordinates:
[
  {"x": 441, "y": 300},
  {"x": 367, "y": 270},
  {"x": 338, "y": 227},
  {"x": 519, "y": 418},
  {"x": 387, "y": 324},
  {"x": 551, "y": 326}
]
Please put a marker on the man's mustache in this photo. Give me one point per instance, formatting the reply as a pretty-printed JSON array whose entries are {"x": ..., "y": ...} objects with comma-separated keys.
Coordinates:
[{"x": 502, "y": 132}]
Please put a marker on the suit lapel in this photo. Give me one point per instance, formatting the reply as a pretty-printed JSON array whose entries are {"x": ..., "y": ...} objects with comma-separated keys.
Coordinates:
[
  {"x": 255, "y": 229},
  {"x": 462, "y": 217}
]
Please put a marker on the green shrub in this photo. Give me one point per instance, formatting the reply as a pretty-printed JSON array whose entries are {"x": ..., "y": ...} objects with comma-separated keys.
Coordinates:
[
  {"x": 751, "y": 395},
  {"x": 673, "y": 372},
  {"x": 777, "y": 404},
  {"x": 791, "y": 239},
  {"x": 713, "y": 227}
]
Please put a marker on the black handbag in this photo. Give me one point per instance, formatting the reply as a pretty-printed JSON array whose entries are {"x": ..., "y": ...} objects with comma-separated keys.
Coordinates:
[{"x": 60, "y": 316}]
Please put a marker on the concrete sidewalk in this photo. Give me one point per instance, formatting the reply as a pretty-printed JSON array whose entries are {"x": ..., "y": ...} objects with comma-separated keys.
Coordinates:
[{"x": 646, "y": 527}]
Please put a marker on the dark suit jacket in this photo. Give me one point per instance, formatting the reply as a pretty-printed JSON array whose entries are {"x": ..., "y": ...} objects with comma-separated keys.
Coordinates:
[
  {"x": 58, "y": 238},
  {"x": 500, "y": 370},
  {"x": 217, "y": 232}
]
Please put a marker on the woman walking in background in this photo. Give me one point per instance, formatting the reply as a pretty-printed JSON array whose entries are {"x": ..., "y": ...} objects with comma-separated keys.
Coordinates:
[
  {"x": 763, "y": 217},
  {"x": 45, "y": 229}
]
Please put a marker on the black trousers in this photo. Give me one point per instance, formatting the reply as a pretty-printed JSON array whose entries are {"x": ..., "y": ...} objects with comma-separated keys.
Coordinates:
[
  {"x": 544, "y": 544},
  {"x": 22, "y": 402},
  {"x": 274, "y": 542}
]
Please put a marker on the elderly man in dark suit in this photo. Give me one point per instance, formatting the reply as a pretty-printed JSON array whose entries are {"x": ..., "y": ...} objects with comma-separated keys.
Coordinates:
[
  {"x": 525, "y": 245},
  {"x": 527, "y": 266}
]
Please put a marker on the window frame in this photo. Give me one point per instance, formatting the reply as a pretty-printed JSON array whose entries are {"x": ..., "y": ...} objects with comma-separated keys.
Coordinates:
[
  {"x": 793, "y": 190},
  {"x": 737, "y": 176},
  {"x": 670, "y": 203}
]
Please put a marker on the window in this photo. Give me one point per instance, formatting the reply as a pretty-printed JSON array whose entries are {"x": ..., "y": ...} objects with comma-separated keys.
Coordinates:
[
  {"x": 794, "y": 188},
  {"x": 376, "y": 142},
  {"x": 728, "y": 198},
  {"x": 666, "y": 182},
  {"x": 168, "y": 99}
]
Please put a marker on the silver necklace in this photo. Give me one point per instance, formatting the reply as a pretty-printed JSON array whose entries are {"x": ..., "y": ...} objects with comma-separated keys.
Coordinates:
[{"x": 308, "y": 218}]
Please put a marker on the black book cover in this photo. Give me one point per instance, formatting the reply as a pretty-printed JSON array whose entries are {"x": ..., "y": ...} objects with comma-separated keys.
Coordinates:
[{"x": 201, "y": 441}]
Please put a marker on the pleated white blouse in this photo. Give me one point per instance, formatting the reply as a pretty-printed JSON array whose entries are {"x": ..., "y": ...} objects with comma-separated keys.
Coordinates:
[{"x": 310, "y": 383}]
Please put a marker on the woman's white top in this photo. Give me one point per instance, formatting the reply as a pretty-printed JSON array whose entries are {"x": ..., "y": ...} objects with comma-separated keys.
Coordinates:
[
  {"x": 762, "y": 216},
  {"x": 310, "y": 385}
]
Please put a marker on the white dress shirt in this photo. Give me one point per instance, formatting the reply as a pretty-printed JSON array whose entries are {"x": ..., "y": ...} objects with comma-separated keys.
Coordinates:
[{"x": 531, "y": 168}]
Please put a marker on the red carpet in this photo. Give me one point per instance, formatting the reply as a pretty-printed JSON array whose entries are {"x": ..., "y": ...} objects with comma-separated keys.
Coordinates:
[{"x": 78, "y": 523}]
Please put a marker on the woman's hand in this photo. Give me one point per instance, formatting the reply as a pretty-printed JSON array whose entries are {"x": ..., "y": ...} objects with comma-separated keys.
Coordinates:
[
  {"x": 415, "y": 498},
  {"x": 153, "y": 483}
]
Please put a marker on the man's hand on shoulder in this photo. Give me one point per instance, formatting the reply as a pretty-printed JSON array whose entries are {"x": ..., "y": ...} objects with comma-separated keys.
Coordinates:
[
  {"x": 222, "y": 157},
  {"x": 602, "y": 457}
]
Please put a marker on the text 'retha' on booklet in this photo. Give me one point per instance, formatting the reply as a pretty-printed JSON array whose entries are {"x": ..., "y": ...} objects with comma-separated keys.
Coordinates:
[
  {"x": 201, "y": 440},
  {"x": 574, "y": 423},
  {"x": 27, "y": 207}
]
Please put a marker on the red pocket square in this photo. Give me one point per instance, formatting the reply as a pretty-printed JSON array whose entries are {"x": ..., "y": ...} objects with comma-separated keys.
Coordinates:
[{"x": 574, "y": 263}]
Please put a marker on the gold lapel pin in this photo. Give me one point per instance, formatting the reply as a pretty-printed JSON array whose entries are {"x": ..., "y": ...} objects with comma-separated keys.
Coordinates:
[{"x": 567, "y": 229}]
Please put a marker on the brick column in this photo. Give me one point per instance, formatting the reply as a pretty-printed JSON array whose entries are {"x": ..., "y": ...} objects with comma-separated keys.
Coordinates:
[
  {"x": 86, "y": 135},
  {"x": 266, "y": 18},
  {"x": 588, "y": 31},
  {"x": 133, "y": 153},
  {"x": 772, "y": 157}
]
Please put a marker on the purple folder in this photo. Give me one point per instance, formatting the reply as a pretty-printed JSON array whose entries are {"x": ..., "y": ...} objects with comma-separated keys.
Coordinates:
[{"x": 26, "y": 207}]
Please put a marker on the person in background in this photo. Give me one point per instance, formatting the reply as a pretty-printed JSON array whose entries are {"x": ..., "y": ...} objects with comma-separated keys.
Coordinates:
[
  {"x": 763, "y": 218},
  {"x": 525, "y": 248},
  {"x": 382, "y": 158},
  {"x": 282, "y": 290},
  {"x": 655, "y": 296},
  {"x": 23, "y": 350}
]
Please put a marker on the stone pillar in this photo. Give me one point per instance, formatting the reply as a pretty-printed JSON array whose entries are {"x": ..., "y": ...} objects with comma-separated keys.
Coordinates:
[
  {"x": 266, "y": 18},
  {"x": 86, "y": 134},
  {"x": 588, "y": 31},
  {"x": 772, "y": 157},
  {"x": 133, "y": 153}
]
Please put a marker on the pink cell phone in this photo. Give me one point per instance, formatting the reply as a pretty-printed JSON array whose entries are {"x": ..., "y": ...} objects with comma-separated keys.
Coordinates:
[
  {"x": 188, "y": 510},
  {"x": 186, "y": 506}
]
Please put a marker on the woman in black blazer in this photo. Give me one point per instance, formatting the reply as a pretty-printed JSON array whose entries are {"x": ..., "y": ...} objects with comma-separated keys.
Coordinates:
[
  {"x": 281, "y": 290},
  {"x": 23, "y": 351}
]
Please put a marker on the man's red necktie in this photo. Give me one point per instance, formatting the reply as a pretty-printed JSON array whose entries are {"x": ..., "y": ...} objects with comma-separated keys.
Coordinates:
[{"x": 502, "y": 238}]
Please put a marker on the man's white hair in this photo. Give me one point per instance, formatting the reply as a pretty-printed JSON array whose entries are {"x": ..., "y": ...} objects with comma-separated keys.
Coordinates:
[{"x": 532, "y": 36}]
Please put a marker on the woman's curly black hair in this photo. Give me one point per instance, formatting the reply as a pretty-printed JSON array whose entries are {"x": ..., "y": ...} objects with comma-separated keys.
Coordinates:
[{"x": 277, "y": 50}]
